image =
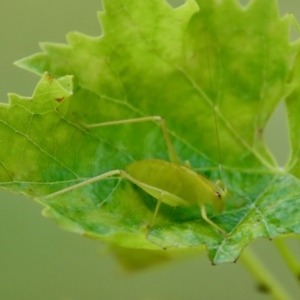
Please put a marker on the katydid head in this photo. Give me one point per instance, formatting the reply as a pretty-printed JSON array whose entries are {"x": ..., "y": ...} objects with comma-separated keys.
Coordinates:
[{"x": 219, "y": 196}]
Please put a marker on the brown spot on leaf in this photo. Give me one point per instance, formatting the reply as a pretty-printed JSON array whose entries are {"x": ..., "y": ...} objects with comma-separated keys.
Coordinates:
[
  {"x": 59, "y": 99},
  {"x": 49, "y": 77},
  {"x": 263, "y": 288},
  {"x": 260, "y": 132}
]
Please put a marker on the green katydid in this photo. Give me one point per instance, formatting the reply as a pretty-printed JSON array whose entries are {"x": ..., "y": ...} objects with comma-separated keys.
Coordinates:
[{"x": 172, "y": 183}]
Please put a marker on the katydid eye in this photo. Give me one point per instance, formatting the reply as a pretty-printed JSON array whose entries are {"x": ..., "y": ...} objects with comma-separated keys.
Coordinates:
[{"x": 218, "y": 194}]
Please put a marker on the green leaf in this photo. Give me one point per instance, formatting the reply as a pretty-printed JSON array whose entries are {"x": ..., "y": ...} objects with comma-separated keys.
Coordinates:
[{"x": 155, "y": 60}]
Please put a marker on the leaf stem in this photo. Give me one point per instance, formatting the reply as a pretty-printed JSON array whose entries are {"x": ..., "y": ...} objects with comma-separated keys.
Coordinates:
[
  {"x": 289, "y": 257},
  {"x": 264, "y": 278}
]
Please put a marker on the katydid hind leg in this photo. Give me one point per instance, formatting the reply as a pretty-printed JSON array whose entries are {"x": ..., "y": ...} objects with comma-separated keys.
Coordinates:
[
  {"x": 112, "y": 173},
  {"x": 84, "y": 183},
  {"x": 171, "y": 151}
]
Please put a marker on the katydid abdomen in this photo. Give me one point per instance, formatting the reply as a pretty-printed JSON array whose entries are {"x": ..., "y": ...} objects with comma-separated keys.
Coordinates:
[{"x": 177, "y": 184}]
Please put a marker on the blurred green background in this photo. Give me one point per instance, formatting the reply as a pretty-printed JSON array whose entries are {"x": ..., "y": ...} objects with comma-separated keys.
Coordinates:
[{"x": 40, "y": 261}]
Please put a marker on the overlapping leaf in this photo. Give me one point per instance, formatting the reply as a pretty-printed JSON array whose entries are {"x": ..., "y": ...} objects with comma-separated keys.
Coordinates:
[{"x": 152, "y": 60}]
